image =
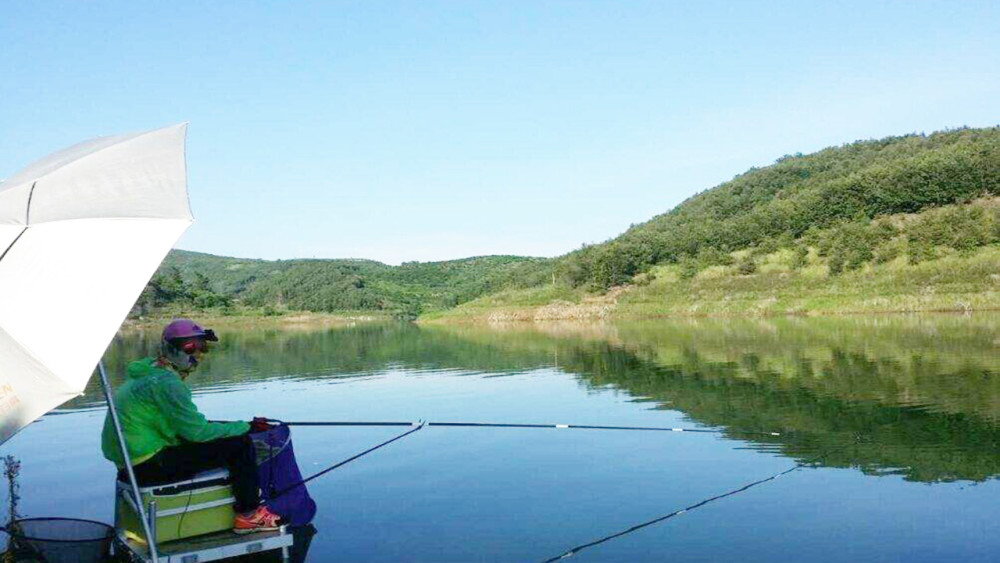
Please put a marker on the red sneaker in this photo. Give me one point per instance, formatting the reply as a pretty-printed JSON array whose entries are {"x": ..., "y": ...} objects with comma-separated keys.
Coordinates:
[{"x": 262, "y": 520}]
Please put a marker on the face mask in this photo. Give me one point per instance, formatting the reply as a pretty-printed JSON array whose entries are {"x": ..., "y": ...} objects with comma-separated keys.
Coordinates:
[{"x": 182, "y": 359}]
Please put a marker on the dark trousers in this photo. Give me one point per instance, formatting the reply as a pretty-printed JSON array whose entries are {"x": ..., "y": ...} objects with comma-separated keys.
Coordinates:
[{"x": 178, "y": 463}]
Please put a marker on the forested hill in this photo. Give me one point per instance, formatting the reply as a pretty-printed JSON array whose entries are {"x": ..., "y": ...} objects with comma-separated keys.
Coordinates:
[
  {"x": 899, "y": 200},
  {"x": 195, "y": 280},
  {"x": 799, "y": 195}
]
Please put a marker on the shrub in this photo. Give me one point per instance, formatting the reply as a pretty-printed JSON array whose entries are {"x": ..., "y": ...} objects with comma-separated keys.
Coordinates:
[
  {"x": 711, "y": 256},
  {"x": 836, "y": 263},
  {"x": 747, "y": 266},
  {"x": 801, "y": 258},
  {"x": 689, "y": 267},
  {"x": 958, "y": 227},
  {"x": 919, "y": 251},
  {"x": 612, "y": 266},
  {"x": 888, "y": 251}
]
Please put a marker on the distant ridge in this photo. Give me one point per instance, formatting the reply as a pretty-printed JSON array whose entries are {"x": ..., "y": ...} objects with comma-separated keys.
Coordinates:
[{"x": 312, "y": 284}]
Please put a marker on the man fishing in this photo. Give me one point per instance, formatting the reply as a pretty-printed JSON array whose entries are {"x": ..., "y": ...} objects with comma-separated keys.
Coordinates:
[{"x": 169, "y": 440}]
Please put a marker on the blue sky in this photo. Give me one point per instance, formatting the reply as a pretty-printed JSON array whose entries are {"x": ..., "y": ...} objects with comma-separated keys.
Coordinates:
[{"x": 439, "y": 130}]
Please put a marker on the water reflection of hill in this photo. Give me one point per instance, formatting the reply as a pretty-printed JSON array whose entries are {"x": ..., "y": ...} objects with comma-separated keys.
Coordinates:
[{"x": 915, "y": 396}]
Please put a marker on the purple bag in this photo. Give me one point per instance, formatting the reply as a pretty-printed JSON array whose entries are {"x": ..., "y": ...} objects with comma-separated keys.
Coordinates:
[{"x": 279, "y": 477}]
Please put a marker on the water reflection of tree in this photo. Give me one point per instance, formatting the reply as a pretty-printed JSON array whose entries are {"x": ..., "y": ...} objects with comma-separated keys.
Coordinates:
[
  {"x": 914, "y": 397},
  {"x": 921, "y": 444},
  {"x": 895, "y": 396}
]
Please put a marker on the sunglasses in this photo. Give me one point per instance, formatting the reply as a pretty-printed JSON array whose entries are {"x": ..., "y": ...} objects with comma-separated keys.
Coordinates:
[{"x": 192, "y": 345}]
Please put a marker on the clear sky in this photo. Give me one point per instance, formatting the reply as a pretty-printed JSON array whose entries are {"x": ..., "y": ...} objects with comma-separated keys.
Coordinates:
[{"x": 436, "y": 130}]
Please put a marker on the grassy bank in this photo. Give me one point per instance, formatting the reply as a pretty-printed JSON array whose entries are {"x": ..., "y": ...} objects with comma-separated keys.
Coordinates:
[
  {"x": 555, "y": 302},
  {"x": 953, "y": 283},
  {"x": 967, "y": 281}
]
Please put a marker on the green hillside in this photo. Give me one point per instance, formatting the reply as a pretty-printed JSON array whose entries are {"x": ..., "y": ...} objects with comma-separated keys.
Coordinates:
[
  {"x": 840, "y": 189},
  {"x": 191, "y": 280},
  {"x": 898, "y": 224},
  {"x": 942, "y": 259}
]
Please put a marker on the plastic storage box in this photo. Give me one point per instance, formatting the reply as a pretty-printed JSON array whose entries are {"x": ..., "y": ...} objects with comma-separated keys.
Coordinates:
[{"x": 201, "y": 505}]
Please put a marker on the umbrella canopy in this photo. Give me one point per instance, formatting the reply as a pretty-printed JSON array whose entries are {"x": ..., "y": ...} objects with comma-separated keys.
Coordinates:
[{"x": 81, "y": 233}]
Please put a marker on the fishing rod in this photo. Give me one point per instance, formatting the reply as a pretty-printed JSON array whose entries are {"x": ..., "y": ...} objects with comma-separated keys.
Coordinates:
[
  {"x": 515, "y": 425},
  {"x": 416, "y": 426},
  {"x": 807, "y": 463},
  {"x": 699, "y": 504}
]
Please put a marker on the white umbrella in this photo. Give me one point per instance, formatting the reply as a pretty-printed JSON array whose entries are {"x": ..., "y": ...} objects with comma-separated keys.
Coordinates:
[{"x": 81, "y": 233}]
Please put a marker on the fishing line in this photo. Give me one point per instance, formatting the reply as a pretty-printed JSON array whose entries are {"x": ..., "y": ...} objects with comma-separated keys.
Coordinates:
[{"x": 581, "y": 547}]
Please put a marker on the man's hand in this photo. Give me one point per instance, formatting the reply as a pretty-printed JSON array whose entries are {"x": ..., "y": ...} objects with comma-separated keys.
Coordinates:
[{"x": 259, "y": 424}]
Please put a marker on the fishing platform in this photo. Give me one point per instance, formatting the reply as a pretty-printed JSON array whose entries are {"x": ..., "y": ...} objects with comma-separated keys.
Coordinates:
[
  {"x": 211, "y": 547},
  {"x": 191, "y": 522}
]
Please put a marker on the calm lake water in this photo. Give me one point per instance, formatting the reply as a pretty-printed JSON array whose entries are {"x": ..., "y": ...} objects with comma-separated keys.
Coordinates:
[{"x": 896, "y": 418}]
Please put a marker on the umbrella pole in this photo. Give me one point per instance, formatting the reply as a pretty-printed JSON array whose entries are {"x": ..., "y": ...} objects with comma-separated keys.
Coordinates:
[{"x": 106, "y": 386}]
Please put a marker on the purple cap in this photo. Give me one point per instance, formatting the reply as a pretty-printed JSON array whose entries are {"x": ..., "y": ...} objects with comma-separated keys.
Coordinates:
[{"x": 186, "y": 328}]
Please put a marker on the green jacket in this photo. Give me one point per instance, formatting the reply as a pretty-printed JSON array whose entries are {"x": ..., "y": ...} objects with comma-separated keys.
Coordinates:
[{"x": 156, "y": 411}]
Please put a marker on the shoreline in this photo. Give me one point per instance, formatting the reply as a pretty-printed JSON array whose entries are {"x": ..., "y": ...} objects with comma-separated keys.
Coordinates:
[
  {"x": 289, "y": 319},
  {"x": 519, "y": 315},
  {"x": 525, "y": 316}
]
